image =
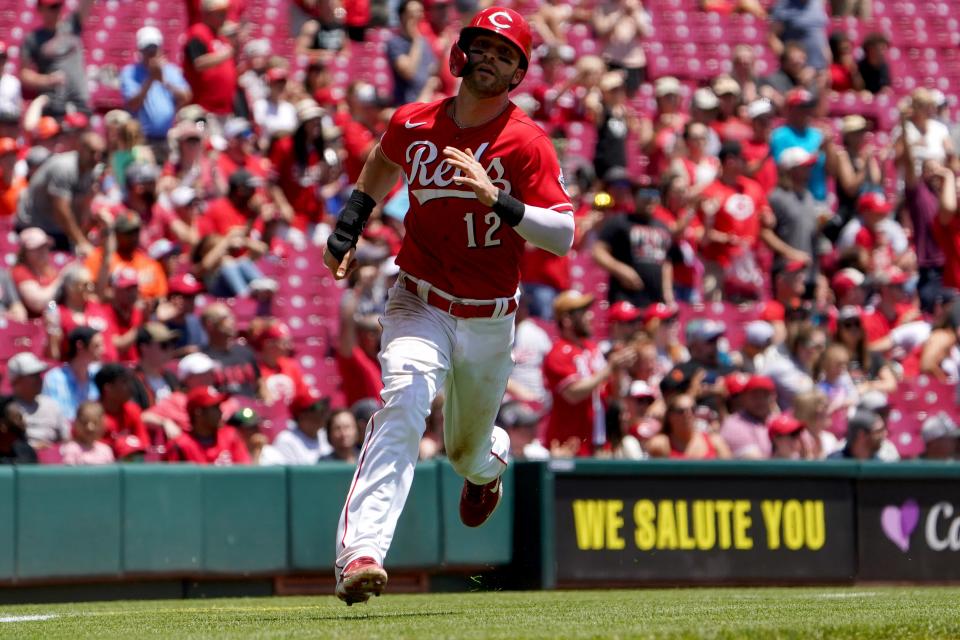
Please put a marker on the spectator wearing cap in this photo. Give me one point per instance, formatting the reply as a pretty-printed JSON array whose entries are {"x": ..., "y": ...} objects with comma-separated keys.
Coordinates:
[
  {"x": 11, "y": 184},
  {"x": 745, "y": 432},
  {"x": 11, "y": 94},
  {"x": 209, "y": 64},
  {"x": 660, "y": 134},
  {"x": 675, "y": 211},
  {"x": 241, "y": 150},
  {"x": 930, "y": 198},
  {"x": 757, "y": 345},
  {"x": 170, "y": 414},
  {"x": 868, "y": 368},
  {"x": 636, "y": 249},
  {"x": 575, "y": 372},
  {"x": 679, "y": 438},
  {"x": 520, "y": 421},
  {"x": 760, "y": 166},
  {"x": 72, "y": 382},
  {"x": 412, "y": 61},
  {"x": 35, "y": 276},
  {"x": 302, "y": 167},
  {"x": 183, "y": 227},
  {"x": 703, "y": 341},
  {"x": 895, "y": 308},
  {"x": 208, "y": 441},
  {"x": 179, "y": 314},
  {"x": 344, "y": 436},
  {"x": 281, "y": 377},
  {"x": 662, "y": 323},
  {"x": 305, "y": 442},
  {"x": 700, "y": 167},
  {"x": 734, "y": 209},
  {"x": 798, "y": 132},
  {"x": 189, "y": 165},
  {"x": 45, "y": 424},
  {"x": 794, "y": 72},
  {"x": 121, "y": 251},
  {"x": 794, "y": 235},
  {"x": 125, "y": 431},
  {"x": 704, "y": 108},
  {"x": 848, "y": 287},
  {"x": 623, "y": 320},
  {"x": 153, "y": 90},
  {"x": 804, "y": 22},
  {"x": 273, "y": 113},
  {"x": 874, "y": 238},
  {"x": 14, "y": 446},
  {"x": 247, "y": 423},
  {"x": 639, "y": 412},
  {"x": 941, "y": 438},
  {"x": 879, "y": 403},
  {"x": 51, "y": 57},
  {"x": 786, "y": 437},
  {"x": 237, "y": 372},
  {"x": 120, "y": 316},
  {"x": 358, "y": 342},
  {"x": 86, "y": 447},
  {"x": 873, "y": 66},
  {"x": 793, "y": 369},
  {"x": 42, "y": 132},
  {"x": 615, "y": 122},
  {"x": 60, "y": 188},
  {"x": 142, "y": 197},
  {"x": 855, "y": 165},
  {"x": 728, "y": 124},
  {"x": 866, "y": 432},
  {"x": 151, "y": 380}
]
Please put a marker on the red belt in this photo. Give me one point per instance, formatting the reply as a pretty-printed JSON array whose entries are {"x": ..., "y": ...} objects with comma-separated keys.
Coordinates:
[{"x": 459, "y": 309}]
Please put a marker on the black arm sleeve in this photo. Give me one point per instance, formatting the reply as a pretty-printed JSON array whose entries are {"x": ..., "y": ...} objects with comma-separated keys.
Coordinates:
[{"x": 353, "y": 217}]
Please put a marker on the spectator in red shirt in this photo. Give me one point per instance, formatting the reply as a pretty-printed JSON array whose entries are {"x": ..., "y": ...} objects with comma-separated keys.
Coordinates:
[
  {"x": 728, "y": 124},
  {"x": 756, "y": 149},
  {"x": 359, "y": 125},
  {"x": 208, "y": 441},
  {"x": 575, "y": 372},
  {"x": 208, "y": 60},
  {"x": 733, "y": 210},
  {"x": 281, "y": 377},
  {"x": 680, "y": 437},
  {"x": 686, "y": 229},
  {"x": 36, "y": 277},
  {"x": 844, "y": 73},
  {"x": 700, "y": 167},
  {"x": 121, "y": 414},
  {"x": 895, "y": 307},
  {"x": 235, "y": 9},
  {"x": 241, "y": 151},
  {"x": 142, "y": 198},
  {"x": 120, "y": 316},
  {"x": 301, "y": 168}
]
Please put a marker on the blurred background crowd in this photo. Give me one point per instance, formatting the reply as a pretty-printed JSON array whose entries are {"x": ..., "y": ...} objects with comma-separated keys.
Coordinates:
[{"x": 767, "y": 258}]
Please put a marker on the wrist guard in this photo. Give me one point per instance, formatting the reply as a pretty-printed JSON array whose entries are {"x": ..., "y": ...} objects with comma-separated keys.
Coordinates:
[
  {"x": 508, "y": 208},
  {"x": 353, "y": 217}
]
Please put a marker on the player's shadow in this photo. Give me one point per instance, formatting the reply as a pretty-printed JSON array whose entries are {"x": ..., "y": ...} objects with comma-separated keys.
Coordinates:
[{"x": 348, "y": 616}]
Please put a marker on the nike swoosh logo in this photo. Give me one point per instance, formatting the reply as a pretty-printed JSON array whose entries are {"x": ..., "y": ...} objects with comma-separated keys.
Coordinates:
[{"x": 413, "y": 125}]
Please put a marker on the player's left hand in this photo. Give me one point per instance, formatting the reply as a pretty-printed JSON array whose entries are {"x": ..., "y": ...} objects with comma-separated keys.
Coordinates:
[{"x": 474, "y": 175}]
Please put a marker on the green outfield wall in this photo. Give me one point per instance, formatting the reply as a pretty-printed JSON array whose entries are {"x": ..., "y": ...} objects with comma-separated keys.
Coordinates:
[{"x": 563, "y": 523}]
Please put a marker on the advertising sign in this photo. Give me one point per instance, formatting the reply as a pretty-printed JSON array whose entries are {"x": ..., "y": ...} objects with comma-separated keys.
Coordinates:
[
  {"x": 909, "y": 529},
  {"x": 702, "y": 529}
]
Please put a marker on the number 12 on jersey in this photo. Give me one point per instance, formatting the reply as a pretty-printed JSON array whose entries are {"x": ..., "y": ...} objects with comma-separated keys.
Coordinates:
[{"x": 492, "y": 221}]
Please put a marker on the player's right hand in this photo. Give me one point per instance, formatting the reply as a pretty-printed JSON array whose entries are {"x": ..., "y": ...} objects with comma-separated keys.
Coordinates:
[{"x": 340, "y": 268}]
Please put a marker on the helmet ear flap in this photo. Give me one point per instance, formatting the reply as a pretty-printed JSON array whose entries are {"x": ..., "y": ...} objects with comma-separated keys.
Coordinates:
[{"x": 458, "y": 60}]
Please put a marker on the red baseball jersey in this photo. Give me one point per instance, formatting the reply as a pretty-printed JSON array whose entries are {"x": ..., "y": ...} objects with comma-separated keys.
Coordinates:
[{"x": 453, "y": 241}]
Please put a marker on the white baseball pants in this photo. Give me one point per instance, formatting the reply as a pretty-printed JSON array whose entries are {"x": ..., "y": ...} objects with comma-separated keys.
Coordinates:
[{"x": 424, "y": 350}]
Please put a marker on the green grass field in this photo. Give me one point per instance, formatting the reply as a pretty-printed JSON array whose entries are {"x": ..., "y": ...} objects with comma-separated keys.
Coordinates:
[{"x": 829, "y": 613}]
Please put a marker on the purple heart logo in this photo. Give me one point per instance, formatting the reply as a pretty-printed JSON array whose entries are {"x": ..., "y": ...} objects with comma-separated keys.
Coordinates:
[{"x": 899, "y": 522}]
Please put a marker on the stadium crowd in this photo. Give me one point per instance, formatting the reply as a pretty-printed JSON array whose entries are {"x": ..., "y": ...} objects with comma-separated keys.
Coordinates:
[{"x": 156, "y": 243}]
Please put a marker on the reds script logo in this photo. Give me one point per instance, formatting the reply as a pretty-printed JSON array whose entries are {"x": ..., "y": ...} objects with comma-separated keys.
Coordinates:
[{"x": 435, "y": 179}]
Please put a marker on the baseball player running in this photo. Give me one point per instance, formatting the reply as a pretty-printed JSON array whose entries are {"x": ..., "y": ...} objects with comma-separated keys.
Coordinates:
[{"x": 482, "y": 179}]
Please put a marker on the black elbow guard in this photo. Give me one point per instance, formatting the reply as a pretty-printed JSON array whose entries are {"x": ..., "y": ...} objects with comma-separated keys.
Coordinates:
[
  {"x": 508, "y": 208},
  {"x": 353, "y": 217}
]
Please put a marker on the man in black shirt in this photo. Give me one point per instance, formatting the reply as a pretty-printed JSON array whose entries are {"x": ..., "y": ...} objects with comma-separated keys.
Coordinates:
[
  {"x": 238, "y": 373},
  {"x": 637, "y": 251},
  {"x": 873, "y": 67}
]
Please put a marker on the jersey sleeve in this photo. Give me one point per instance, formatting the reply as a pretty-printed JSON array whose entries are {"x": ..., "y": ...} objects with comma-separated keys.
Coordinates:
[
  {"x": 392, "y": 142},
  {"x": 537, "y": 179},
  {"x": 559, "y": 369}
]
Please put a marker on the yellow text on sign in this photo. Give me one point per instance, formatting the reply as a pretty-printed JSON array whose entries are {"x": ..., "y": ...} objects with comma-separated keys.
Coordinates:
[{"x": 699, "y": 524}]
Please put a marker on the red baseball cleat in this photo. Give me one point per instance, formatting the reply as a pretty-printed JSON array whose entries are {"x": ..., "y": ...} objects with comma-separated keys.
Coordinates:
[
  {"x": 360, "y": 579},
  {"x": 478, "y": 501}
]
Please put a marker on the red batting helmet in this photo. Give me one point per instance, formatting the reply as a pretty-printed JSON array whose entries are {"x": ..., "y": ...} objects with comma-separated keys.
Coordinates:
[{"x": 501, "y": 21}]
